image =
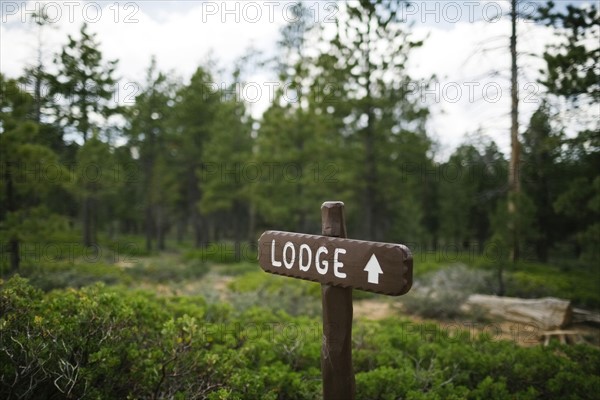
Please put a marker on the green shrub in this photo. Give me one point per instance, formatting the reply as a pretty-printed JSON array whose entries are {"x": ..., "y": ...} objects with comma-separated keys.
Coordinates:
[
  {"x": 223, "y": 253},
  {"x": 440, "y": 294},
  {"x": 63, "y": 274},
  {"x": 110, "y": 342},
  {"x": 167, "y": 269},
  {"x": 127, "y": 248},
  {"x": 294, "y": 296},
  {"x": 573, "y": 281},
  {"x": 236, "y": 269}
]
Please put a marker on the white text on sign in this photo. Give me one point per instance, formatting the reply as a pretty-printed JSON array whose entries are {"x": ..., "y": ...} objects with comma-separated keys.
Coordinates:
[{"x": 305, "y": 258}]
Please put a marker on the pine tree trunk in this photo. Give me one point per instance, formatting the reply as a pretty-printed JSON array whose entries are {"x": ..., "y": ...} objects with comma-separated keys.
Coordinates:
[
  {"x": 11, "y": 206},
  {"x": 148, "y": 227},
  {"x": 160, "y": 229},
  {"x": 181, "y": 228},
  {"x": 87, "y": 222},
  {"x": 251, "y": 224},
  {"x": 370, "y": 162},
  {"x": 370, "y": 181},
  {"x": 237, "y": 236},
  {"x": 198, "y": 234},
  {"x": 15, "y": 257},
  {"x": 513, "y": 177},
  {"x": 193, "y": 192}
]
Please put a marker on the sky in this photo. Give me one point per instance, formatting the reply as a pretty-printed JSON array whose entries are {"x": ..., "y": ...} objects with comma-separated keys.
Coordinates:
[{"x": 466, "y": 48}]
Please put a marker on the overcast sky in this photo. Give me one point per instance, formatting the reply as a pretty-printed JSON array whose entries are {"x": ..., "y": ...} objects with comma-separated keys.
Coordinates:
[{"x": 466, "y": 47}]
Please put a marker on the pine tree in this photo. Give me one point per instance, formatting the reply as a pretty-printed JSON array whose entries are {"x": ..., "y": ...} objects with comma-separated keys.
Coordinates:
[
  {"x": 383, "y": 123},
  {"x": 542, "y": 179},
  {"x": 227, "y": 171},
  {"x": 572, "y": 66},
  {"x": 82, "y": 90},
  {"x": 84, "y": 86},
  {"x": 298, "y": 146},
  {"x": 147, "y": 134},
  {"x": 30, "y": 173},
  {"x": 191, "y": 124}
]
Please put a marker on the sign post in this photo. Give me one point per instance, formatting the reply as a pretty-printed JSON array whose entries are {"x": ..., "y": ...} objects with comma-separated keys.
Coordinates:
[
  {"x": 336, "y": 350},
  {"x": 340, "y": 265}
]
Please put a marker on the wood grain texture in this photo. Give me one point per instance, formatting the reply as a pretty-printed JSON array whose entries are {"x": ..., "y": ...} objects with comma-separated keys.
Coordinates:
[
  {"x": 395, "y": 260},
  {"x": 336, "y": 351}
]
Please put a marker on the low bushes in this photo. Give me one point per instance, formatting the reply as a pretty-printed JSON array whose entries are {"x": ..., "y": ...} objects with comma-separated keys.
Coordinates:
[
  {"x": 106, "y": 343},
  {"x": 440, "y": 294}
]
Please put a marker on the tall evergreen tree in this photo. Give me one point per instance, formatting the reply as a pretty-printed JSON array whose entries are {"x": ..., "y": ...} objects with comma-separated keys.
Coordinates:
[
  {"x": 542, "y": 179},
  {"x": 147, "y": 135},
  {"x": 384, "y": 126},
  {"x": 84, "y": 86},
  {"x": 227, "y": 170},
  {"x": 298, "y": 145},
  {"x": 572, "y": 74},
  {"x": 82, "y": 90},
  {"x": 472, "y": 182},
  {"x": 95, "y": 178},
  {"x": 30, "y": 171},
  {"x": 572, "y": 69},
  {"x": 191, "y": 123},
  {"x": 579, "y": 202}
]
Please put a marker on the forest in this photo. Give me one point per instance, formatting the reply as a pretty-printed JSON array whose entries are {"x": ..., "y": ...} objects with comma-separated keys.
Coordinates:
[
  {"x": 190, "y": 163},
  {"x": 110, "y": 198}
]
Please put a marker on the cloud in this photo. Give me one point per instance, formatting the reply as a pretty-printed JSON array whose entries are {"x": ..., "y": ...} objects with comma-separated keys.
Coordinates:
[
  {"x": 472, "y": 64},
  {"x": 469, "y": 57}
]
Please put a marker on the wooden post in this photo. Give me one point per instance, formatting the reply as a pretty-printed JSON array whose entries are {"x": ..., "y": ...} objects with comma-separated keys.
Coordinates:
[{"x": 336, "y": 351}]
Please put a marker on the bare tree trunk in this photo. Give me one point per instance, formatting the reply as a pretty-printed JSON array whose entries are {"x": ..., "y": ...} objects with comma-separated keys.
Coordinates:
[
  {"x": 545, "y": 314},
  {"x": 514, "y": 183},
  {"x": 370, "y": 163},
  {"x": 370, "y": 181}
]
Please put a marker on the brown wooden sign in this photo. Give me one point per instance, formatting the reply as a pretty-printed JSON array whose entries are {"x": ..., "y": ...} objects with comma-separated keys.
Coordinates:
[{"x": 372, "y": 266}]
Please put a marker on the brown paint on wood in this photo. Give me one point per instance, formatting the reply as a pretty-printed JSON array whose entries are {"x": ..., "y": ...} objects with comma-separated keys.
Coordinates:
[
  {"x": 336, "y": 351},
  {"x": 340, "y": 265},
  {"x": 280, "y": 253}
]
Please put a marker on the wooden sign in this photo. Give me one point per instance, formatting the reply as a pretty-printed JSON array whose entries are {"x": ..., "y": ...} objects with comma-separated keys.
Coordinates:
[
  {"x": 340, "y": 265},
  {"x": 372, "y": 266}
]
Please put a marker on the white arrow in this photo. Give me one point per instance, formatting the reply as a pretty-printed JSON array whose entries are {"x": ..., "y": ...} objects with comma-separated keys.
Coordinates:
[{"x": 374, "y": 269}]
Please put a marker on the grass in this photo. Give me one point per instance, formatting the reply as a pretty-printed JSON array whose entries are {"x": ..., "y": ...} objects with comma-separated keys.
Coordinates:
[
  {"x": 571, "y": 279},
  {"x": 63, "y": 262},
  {"x": 579, "y": 284}
]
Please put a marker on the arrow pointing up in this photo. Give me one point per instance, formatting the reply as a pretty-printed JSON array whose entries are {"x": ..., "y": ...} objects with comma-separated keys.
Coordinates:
[{"x": 374, "y": 269}]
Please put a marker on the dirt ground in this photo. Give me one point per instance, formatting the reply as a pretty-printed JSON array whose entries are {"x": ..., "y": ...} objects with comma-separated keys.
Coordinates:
[{"x": 216, "y": 285}]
